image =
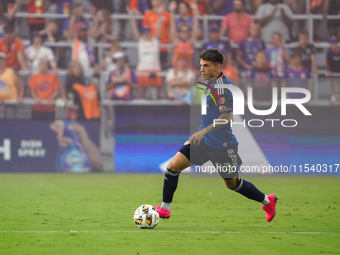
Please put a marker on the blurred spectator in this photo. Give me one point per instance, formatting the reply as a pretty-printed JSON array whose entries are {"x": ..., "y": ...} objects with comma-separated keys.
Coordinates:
[
  {"x": 184, "y": 14},
  {"x": 185, "y": 39},
  {"x": 76, "y": 17},
  {"x": 278, "y": 55},
  {"x": 13, "y": 48},
  {"x": 82, "y": 49},
  {"x": 178, "y": 79},
  {"x": 36, "y": 7},
  {"x": 50, "y": 33},
  {"x": 333, "y": 68},
  {"x": 299, "y": 77},
  {"x": 151, "y": 18},
  {"x": 222, "y": 7},
  {"x": 333, "y": 57},
  {"x": 63, "y": 7},
  {"x": 7, "y": 17},
  {"x": 102, "y": 27},
  {"x": 141, "y": 6},
  {"x": 122, "y": 79},
  {"x": 44, "y": 87},
  {"x": 307, "y": 52},
  {"x": 248, "y": 48},
  {"x": 261, "y": 75},
  {"x": 108, "y": 64},
  {"x": 82, "y": 97},
  {"x": 274, "y": 16},
  {"x": 36, "y": 51},
  {"x": 148, "y": 67},
  {"x": 75, "y": 75},
  {"x": 215, "y": 42},
  {"x": 10, "y": 85},
  {"x": 237, "y": 23},
  {"x": 332, "y": 8}
]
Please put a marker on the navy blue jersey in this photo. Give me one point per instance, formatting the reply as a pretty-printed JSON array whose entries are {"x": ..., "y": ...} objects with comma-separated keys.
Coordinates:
[{"x": 222, "y": 138}]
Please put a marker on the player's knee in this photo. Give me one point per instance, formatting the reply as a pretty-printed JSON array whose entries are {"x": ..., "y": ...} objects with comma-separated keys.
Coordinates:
[
  {"x": 173, "y": 167},
  {"x": 231, "y": 184}
]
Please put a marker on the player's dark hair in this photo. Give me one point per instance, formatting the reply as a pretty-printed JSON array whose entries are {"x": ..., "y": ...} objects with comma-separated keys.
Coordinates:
[{"x": 212, "y": 55}]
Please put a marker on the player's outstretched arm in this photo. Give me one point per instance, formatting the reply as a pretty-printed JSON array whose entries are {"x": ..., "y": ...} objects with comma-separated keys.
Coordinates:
[{"x": 226, "y": 118}]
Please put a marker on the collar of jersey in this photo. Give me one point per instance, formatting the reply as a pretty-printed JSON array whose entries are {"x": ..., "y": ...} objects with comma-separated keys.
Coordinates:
[{"x": 213, "y": 81}]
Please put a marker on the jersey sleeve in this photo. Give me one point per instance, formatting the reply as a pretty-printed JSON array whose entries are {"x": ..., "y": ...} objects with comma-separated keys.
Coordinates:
[{"x": 227, "y": 101}]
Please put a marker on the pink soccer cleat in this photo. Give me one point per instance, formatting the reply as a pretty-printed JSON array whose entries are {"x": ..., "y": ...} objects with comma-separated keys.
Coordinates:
[
  {"x": 270, "y": 208},
  {"x": 164, "y": 214}
]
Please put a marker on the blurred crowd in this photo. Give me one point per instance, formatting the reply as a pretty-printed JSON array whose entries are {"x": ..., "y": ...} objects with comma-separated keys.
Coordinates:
[{"x": 260, "y": 40}]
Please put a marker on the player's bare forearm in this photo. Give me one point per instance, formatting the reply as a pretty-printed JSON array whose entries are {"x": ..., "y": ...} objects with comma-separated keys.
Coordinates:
[
  {"x": 216, "y": 126},
  {"x": 197, "y": 137}
]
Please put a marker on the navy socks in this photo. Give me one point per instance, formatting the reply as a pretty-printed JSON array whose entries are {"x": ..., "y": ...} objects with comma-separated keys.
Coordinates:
[
  {"x": 170, "y": 185},
  {"x": 248, "y": 190}
]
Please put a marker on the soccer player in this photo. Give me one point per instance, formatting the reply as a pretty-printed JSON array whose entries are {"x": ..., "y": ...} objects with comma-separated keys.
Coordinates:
[{"x": 217, "y": 144}]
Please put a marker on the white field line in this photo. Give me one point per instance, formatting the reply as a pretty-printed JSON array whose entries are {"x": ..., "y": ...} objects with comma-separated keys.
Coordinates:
[{"x": 162, "y": 231}]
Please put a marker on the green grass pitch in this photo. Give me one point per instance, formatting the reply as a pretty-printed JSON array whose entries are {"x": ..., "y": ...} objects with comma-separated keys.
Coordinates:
[{"x": 93, "y": 214}]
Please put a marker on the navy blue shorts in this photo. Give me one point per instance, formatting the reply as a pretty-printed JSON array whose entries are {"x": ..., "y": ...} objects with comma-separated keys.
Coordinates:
[{"x": 226, "y": 162}]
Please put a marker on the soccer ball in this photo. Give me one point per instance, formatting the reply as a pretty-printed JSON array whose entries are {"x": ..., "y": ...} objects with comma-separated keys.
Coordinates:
[{"x": 146, "y": 216}]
